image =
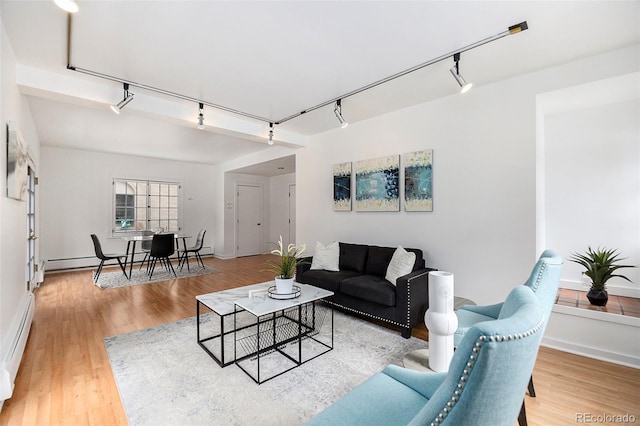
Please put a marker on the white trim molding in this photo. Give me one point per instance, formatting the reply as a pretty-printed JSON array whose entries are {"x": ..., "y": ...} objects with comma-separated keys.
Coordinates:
[{"x": 604, "y": 336}]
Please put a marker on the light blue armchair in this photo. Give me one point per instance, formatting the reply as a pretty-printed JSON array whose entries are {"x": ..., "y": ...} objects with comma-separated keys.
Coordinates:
[
  {"x": 544, "y": 280},
  {"x": 485, "y": 383}
]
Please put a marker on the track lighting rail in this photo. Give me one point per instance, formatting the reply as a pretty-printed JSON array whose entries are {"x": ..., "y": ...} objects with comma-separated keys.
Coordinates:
[{"x": 514, "y": 29}]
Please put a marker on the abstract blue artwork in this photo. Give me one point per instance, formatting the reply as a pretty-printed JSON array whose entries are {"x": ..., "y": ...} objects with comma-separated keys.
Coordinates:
[
  {"x": 378, "y": 184},
  {"x": 418, "y": 181},
  {"x": 342, "y": 187}
]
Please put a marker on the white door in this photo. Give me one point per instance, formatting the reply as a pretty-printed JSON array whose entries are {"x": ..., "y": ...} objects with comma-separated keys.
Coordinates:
[
  {"x": 249, "y": 220},
  {"x": 292, "y": 214}
]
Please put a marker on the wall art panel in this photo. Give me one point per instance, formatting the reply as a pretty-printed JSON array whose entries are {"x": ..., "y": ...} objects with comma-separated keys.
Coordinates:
[
  {"x": 342, "y": 187},
  {"x": 377, "y": 184},
  {"x": 418, "y": 181},
  {"x": 17, "y": 163}
]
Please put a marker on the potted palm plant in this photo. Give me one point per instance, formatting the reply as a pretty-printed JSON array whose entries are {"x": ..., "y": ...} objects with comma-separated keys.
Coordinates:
[
  {"x": 599, "y": 265},
  {"x": 285, "y": 266}
]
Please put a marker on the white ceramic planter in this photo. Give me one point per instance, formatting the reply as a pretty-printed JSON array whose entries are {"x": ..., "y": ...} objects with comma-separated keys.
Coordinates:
[{"x": 284, "y": 285}]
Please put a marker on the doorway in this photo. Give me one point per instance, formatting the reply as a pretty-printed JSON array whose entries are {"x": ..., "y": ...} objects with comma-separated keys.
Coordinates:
[
  {"x": 32, "y": 267},
  {"x": 249, "y": 220}
]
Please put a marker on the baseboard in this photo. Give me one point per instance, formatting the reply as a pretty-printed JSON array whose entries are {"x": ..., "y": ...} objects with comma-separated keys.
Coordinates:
[
  {"x": 14, "y": 344},
  {"x": 599, "y": 335},
  {"x": 88, "y": 262},
  {"x": 224, "y": 256}
]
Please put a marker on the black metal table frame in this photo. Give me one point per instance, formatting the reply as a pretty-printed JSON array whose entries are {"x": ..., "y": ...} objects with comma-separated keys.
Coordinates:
[
  {"x": 221, "y": 335},
  {"x": 276, "y": 346}
]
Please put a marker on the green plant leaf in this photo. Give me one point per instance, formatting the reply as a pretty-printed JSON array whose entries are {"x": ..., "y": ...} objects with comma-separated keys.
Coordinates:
[{"x": 600, "y": 265}]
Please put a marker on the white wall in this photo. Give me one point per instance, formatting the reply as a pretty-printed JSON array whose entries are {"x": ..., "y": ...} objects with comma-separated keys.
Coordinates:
[
  {"x": 13, "y": 213},
  {"x": 592, "y": 178},
  {"x": 76, "y": 188},
  {"x": 483, "y": 227},
  {"x": 279, "y": 207}
]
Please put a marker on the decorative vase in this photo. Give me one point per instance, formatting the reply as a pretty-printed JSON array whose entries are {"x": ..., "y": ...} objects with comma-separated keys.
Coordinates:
[
  {"x": 598, "y": 297},
  {"x": 284, "y": 285},
  {"x": 441, "y": 320}
]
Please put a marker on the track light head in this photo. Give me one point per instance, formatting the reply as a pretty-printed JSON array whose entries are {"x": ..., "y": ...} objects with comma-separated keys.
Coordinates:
[
  {"x": 67, "y": 5},
  {"x": 338, "y": 112},
  {"x": 455, "y": 71},
  {"x": 201, "y": 117},
  {"x": 128, "y": 97},
  {"x": 270, "y": 133}
]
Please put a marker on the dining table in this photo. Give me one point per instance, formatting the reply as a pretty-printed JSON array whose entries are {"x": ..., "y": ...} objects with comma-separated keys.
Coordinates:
[{"x": 131, "y": 247}]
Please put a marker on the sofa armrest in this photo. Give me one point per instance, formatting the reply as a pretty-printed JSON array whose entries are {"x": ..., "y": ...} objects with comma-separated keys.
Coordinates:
[
  {"x": 304, "y": 266},
  {"x": 412, "y": 296}
]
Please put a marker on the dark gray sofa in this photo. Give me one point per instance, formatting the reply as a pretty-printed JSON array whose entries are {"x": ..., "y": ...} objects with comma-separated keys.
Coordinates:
[{"x": 360, "y": 285}]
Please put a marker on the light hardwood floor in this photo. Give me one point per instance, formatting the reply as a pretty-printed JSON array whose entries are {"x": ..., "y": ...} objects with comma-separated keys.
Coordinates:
[{"x": 65, "y": 377}]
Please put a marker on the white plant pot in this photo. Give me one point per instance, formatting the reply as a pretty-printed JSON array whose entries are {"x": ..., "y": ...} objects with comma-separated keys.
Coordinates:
[{"x": 284, "y": 285}]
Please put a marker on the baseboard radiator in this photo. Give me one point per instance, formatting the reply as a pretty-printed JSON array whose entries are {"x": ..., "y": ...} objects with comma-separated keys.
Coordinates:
[{"x": 14, "y": 344}]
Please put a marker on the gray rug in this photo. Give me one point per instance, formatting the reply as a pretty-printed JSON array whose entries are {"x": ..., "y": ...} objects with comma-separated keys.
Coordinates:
[
  {"x": 165, "y": 378},
  {"x": 139, "y": 276}
]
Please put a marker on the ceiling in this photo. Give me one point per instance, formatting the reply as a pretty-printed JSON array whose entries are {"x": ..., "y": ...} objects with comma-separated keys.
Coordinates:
[{"x": 274, "y": 60}]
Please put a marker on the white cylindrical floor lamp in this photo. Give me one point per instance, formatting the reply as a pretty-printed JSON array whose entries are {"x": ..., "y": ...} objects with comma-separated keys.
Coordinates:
[{"x": 441, "y": 320}]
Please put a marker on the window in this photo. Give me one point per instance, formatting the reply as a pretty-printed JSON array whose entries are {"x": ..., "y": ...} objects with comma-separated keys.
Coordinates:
[{"x": 145, "y": 205}]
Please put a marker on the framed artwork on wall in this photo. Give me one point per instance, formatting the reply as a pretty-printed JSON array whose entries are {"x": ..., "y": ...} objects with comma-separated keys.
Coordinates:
[
  {"x": 377, "y": 184},
  {"x": 418, "y": 181},
  {"x": 342, "y": 187},
  {"x": 17, "y": 163}
]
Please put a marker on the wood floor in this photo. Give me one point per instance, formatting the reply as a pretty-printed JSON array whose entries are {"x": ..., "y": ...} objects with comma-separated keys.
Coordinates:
[{"x": 65, "y": 377}]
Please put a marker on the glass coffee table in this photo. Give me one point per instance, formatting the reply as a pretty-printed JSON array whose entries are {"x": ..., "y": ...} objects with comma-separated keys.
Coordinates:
[{"x": 274, "y": 334}]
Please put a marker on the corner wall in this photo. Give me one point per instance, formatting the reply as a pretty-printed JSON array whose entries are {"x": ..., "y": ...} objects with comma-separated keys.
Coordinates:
[
  {"x": 13, "y": 213},
  {"x": 77, "y": 198},
  {"x": 483, "y": 226}
]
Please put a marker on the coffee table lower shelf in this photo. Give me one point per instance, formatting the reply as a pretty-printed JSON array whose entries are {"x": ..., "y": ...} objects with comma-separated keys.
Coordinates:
[{"x": 281, "y": 341}]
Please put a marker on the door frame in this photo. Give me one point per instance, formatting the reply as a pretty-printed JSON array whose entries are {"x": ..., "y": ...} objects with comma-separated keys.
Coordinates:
[{"x": 292, "y": 217}]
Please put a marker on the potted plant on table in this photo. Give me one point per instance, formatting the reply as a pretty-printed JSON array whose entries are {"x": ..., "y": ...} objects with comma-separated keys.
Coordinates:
[
  {"x": 285, "y": 266},
  {"x": 600, "y": 265}
]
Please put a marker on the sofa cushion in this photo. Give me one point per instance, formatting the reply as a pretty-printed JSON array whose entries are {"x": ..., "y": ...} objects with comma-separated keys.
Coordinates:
[
  {"x": 378, "y": 259},
  {"x": 371, "y": 288},
  {"x": 326, "y": 257},
  {"x": 401, "y": 264},
  {"x": 329, "y": 280},
  {"x": 353, "y": 257}
]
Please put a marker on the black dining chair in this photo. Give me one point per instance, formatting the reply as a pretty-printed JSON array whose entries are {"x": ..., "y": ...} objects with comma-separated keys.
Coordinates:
[
  {"x": 104, "y": 257},
  {"x": 162, "y": 248},
  {"x": 146, "y": 244},
  {"x": 195, "y": 249}
]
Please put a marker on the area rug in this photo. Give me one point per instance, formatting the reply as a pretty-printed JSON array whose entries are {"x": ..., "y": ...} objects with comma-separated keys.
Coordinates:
[
  {"x": 139, "y": 276},
  {"x": 165, "y": 378}
]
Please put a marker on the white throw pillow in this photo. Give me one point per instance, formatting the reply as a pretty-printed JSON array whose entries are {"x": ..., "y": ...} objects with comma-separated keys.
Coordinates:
[
  {"x": 401, "y": 264},
  {"x": 326, "y": 257}
]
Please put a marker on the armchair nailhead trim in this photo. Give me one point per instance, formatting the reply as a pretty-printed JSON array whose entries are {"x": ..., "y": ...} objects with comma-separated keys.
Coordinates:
[
  {"x": 470, "y": 364},
  {"x": 539, "y": 277}
]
